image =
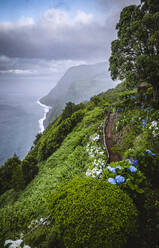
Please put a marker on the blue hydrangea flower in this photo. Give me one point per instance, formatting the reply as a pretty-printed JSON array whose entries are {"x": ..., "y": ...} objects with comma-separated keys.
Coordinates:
[
  {"x": 111, "y": 169},
  {"x": 118, "y": 167},
  {"x": 132, "y": 161},
  {"x": 144, "y": 123},
  {"x": 132, "y": 168},
  {"x": 149, "y": 152},
  {"x": 135, "y": 162},
  {"x": 119, "y": 179},
  {"x": 111, "y": 180},
  {"x": 153, "y": 154}
]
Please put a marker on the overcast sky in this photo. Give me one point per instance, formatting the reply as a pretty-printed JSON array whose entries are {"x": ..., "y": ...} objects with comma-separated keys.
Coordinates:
[{"x": 40, "y": 39}]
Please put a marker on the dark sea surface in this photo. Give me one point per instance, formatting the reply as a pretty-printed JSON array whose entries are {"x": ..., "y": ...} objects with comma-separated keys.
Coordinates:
[{"x": 19, "y": 117}]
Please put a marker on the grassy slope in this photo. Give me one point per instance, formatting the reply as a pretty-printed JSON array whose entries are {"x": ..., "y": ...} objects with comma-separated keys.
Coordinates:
[{"x": 69, "y": 160}]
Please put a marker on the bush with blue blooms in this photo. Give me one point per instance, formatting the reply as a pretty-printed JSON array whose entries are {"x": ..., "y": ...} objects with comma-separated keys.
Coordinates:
[
  {"x": 148, "y": 162},
  {"x": 126, "y": 174}
]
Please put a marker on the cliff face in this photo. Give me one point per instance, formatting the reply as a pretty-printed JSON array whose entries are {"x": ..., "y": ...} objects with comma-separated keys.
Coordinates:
[{"x": 77, "y": 85}]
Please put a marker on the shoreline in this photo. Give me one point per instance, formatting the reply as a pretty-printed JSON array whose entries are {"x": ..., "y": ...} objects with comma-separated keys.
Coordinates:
[{"x": 41, "y": 121}]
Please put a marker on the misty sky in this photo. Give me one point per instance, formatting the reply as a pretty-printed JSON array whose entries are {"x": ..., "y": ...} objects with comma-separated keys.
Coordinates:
[{"x": 40, "y": 39}]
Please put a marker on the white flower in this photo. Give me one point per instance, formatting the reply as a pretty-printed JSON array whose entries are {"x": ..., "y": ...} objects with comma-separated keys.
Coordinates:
[
  {"x": 155, "y": 128},
  {"x": 9, "y": 241},
  {"x": 88, "y": 172},
  {"x": 95, "y": 138},
  {"x": 94, "y": 172},
  {"x": 154, "y": 124},
  {"x": 13, "y": 244}
]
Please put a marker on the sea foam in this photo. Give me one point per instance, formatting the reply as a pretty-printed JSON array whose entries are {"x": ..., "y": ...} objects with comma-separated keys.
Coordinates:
[{"x": 41, "y": 121}]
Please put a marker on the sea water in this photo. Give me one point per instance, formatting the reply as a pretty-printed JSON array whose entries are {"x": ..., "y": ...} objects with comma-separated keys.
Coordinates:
[{"x": 21, "y": 117}]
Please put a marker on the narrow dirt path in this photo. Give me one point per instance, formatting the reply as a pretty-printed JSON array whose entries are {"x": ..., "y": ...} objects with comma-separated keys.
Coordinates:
[{"x": 109, "y": 132}]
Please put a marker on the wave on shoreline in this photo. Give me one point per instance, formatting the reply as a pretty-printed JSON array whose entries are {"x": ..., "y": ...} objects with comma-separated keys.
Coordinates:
[{"x": 41, "y": 121}]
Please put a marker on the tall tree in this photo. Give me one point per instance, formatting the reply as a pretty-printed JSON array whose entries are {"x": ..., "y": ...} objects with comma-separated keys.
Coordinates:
[
  {"x": 135, "y": 54},
  {"x": 11, "y": 175},
  {"x": 29, "y": 168}
]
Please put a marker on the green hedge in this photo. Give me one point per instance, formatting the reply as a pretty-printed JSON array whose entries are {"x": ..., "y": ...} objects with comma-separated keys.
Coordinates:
[
  {"x": 91, "y": 213},
  {"x": 50, "y": 142}
]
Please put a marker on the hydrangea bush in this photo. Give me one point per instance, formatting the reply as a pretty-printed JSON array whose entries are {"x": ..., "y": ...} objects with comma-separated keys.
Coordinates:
[
  {"x": 126, "y": 174},
  {"x": 148, "y": 162}
]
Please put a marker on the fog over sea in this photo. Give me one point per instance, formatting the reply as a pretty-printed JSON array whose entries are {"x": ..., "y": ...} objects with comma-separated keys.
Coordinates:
[{"x": 20, "y": 116}]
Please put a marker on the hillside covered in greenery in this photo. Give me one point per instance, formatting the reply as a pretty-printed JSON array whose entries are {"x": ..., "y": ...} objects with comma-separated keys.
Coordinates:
[
  {"x": 38, "y": 208},
  {"x": 92, "y": 178}
]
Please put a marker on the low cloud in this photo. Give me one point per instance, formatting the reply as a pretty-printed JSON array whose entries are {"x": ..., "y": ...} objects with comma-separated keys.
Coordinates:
[
  {"x": 58, "y": 40},
  {"x": 14, "y": 68},
  {"x": 55, "y": 36}
]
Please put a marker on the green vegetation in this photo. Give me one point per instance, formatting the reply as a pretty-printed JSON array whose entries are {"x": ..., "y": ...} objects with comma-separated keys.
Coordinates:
[
  {"x": 29, "y": 168},
  {"x": 64, "y": 193},
  {"x": 80, "y": 152},
  {"x": 135, "y": 54},
  {"x": 11, "y": 175},
  {"x": 91, "y": 213},
  {"x": 53, "y": 138},
  {"x": 139, "y": 147},
  {"x": 70, "y": 159}
]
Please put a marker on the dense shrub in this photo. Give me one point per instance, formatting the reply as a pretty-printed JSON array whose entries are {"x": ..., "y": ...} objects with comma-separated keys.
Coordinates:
[
  {"x": 37, "y": 138},
  {"x": 150, "y": 219},
  {"x": 148, "y": 164},
  {"x": 13, "y": 220},
  {"x": 11, "y": 175},
  {"x": 70, "y": 108},
  {"x": 53, "y": 139},
  {"x": 38, "y": 237},
  {"x": 30, "y": 168},
  {"x": 91, "y": 213}
]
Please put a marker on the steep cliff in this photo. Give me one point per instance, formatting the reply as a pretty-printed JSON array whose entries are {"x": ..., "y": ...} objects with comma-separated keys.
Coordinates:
[{"x": 78, "y": 84}]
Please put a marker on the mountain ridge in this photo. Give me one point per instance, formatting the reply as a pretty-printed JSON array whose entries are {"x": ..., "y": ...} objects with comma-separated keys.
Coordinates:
[{"x": 78, "y": 84}]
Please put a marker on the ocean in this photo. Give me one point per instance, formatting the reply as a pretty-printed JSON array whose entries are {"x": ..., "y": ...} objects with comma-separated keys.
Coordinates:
[{"x": 21, "y": 117}]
